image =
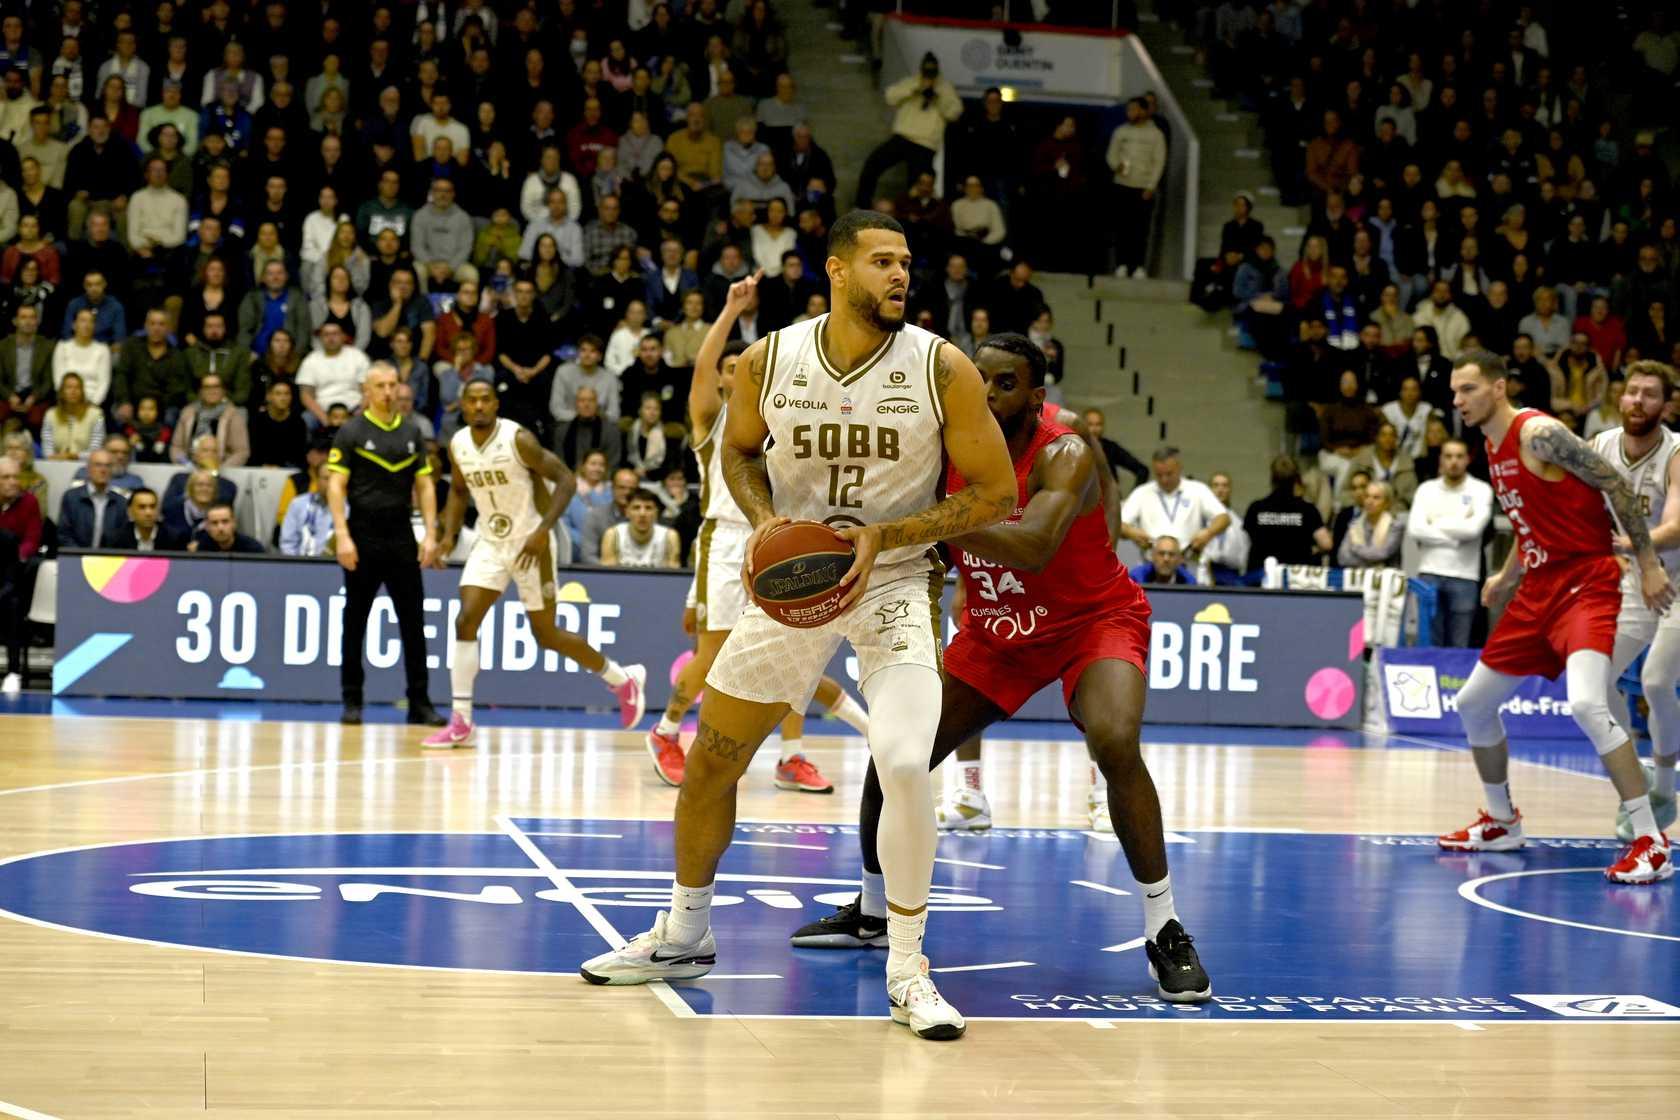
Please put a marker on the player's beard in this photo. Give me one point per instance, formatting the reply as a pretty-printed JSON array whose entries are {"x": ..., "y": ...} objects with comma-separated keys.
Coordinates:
[
  {"x": 868, "y": 309},
  {"x": 1639, "y": 429}
]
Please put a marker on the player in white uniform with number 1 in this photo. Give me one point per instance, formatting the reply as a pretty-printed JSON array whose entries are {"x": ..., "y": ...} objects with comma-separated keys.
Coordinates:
[
  {"x": 717, "y": 597},
  {"x": 501, "y": 465},
  {"x": 1648, "y": 455},
  {"x": 847, "y": 419}
]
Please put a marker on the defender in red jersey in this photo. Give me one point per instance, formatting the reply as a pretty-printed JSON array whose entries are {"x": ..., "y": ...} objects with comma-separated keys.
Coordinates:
[
  {"x": 1047, "y": 600},
  {"x": 1566, "y": 580}
]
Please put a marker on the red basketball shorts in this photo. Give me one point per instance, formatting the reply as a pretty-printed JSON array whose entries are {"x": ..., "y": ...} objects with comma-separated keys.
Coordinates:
[
  {"x": 1557, "y": 611},
  {"x": 1009, "y": 672}
]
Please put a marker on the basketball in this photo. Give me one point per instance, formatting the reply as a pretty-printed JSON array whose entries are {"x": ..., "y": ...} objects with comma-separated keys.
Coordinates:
[{"x": 797, "y": 570}]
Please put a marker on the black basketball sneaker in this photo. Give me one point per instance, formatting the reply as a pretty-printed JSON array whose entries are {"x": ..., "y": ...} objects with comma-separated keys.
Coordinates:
[
  {"x": 1175, "y": 967},
  {"x": 847, "y": 928}
]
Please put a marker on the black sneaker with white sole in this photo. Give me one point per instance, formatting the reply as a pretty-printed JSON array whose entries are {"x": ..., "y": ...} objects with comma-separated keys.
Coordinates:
[
  {"x": 847, "y": 928},
  {"x": 1175, "y": 967}
]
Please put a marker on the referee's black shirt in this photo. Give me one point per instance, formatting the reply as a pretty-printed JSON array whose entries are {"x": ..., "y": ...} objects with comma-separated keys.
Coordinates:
[{"x": 382, "y": 463}]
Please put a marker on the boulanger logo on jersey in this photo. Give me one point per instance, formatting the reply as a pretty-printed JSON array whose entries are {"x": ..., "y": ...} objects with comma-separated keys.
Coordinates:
[{"x": 540, "y": 895}]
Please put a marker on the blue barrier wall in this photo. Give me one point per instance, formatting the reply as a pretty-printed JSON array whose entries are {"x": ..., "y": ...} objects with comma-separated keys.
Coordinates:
[{"x": 269, "y": 628}]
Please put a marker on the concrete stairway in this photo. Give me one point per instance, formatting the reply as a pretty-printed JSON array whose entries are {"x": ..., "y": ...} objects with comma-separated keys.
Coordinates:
[{"x": 838, "y": 89}]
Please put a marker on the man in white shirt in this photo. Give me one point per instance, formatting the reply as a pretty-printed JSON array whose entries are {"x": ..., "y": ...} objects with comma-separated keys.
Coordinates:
[
  {"x": 426, "y": 129},
  {"x": 1450, "y": 323},
  {"x": 1447, "y": 519},
  {"x": 1226, "y": 554},
  {"x": 157, "y": 215},
  {"x": 331, "y": 375},
  {"x": 319, "y": 227},
  {"x": 1171, "y": 505}
]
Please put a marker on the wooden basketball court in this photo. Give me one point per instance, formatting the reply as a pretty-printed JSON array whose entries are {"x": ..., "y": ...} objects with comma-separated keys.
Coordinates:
[{"x": 92, "y": 1025}]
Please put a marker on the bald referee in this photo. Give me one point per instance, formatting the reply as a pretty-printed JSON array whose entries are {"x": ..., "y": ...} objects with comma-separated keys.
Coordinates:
[{"x": 378, "y": 462}]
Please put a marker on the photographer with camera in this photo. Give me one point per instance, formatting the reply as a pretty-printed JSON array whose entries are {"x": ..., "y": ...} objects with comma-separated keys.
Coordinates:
[{"x": 925, "y": 104}]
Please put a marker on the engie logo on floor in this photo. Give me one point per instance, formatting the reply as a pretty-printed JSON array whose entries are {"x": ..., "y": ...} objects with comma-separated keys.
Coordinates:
[{"x": 1603, "y": 1007}]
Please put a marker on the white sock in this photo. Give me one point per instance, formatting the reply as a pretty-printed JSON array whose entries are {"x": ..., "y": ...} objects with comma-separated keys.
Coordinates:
[
  {"x": 1099, "y": 784},
  {"x": 1665, "y": 776},
  {"x": 461, "y": 677},
  {"x": 970, "y": 775},
  {"x": 1157, "y": 906},
  {"x": 849, "y": 711},
  {"x": 668, "y": 726},
  {"x": 612, "y": 674},
  {"x": 873, "y": 899},
  {"x": 691, "y": 914},
  {"x": 1499, "y": 800},
  {"x": 1642, "y": 816},
  {"x": 904, "y": 938},
  {"x": 791, "y": 747}
]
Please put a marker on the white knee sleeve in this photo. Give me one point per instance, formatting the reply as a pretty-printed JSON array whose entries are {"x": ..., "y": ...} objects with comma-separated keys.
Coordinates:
[
  {"x": 1662, "y": 671},
  {"x": 1627, "y": 649},
  {"x": 904, "y": 707},
  {"x": 1587, "y": 676},
  {"x": 1478, "y": 705}
]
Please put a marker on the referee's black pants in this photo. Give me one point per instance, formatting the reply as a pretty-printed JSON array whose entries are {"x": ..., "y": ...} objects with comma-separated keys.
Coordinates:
[{"x": 387, "y": 556}]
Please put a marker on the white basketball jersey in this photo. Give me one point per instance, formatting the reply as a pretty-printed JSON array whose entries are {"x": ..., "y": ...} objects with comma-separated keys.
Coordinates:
[
  {"x": 500, "y": 484},
  {"x": 1648, "y": 477},
  {"x": 854, "y": 448},
  {"x": 632, "y": 554},
  {"x": 716, "y": 502}
]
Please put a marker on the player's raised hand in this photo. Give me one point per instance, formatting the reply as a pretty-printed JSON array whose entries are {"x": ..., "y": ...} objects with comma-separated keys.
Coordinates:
[
  {"x": 741, "y": 292},
  {"x": 866, "y": 539}
]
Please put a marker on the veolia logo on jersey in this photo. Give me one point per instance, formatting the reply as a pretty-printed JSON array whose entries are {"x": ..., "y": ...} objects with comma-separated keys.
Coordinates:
[{"x": 782, "y": 400}]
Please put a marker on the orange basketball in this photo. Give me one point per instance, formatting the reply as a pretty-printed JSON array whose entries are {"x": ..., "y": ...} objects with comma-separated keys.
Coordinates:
[{"x": 797, "y": 569}]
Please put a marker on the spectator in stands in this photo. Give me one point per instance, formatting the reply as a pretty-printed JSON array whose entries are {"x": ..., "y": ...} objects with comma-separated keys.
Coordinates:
[
  {"x": 1374, "y": 536},
  {"x": 186, "y": 503},
  {"x": 668, "y": 283},
  {"x": 698, "y": 151},
  {"x": 1244, "y": 231},
  {"x": 20, "y": 540},
  {"x": 1410, "y": 415},
  {"x": 144, "y": 531},
  {"x": 1118, "y": 458},
  {"x": 453, "y": 374},
  {"x": 1137, "y": 156},
  {"x": 594, "y": 489},
  {"x": 1347, "y": 426},
  {"x": 1386, "y": 462},
  {"x": 19, "y": 447},
  {"x": 85, "y": 357},
  {"x": 604, "y": 516},
  {"x": 308, "y": 523},
  {"x": 26, "y": 365},
  {"x": 1608, "y": 414},
  {"x": 589, "y": 431},
  {"x": 606, "y": 234},
  {"x": 1448, "y": 321},
  {"x": 122, "y": 476},
  {"x": 1015, "y": 302},
  {"x": 275, "y": 305},
  {"x": 220, "y": 534},
  {"x": 278, "y": 435},
  {"x": 1548, "y": 329},
  {"x": 1578, "y": 377},
  {"x": 73, "y": 426},
  {"x": 555, "y": 221},
  {"x": 682, "y": 339},
  {"x": 649, "y": 451},
  {"x": 1164, "y": 566},
  {"x": 1171, "y": 505},
  {"x": 441, "y": 234},
  {"x": 92, "y": 512},
  {"x": 1283, "y": 525},
  {"x": 1332, "y": 158},
  {"x": 331, "y": 375},
  {"x": 1448, "y": 518},
  {"x": 1605, "y": 331},
  {"x": 923, "y": 103},
  {"x": 584, "y": 370},
  {"x": 638, "y": 540},
  {"x": 149, "y": 366},
  {"x": 1227, "y": 554},
  {"x": 1308, "y": 274},
  {"x": 741, "y": 153},
  {"x": 216, "y": 353},
  {"x": 213, "y": 414}
]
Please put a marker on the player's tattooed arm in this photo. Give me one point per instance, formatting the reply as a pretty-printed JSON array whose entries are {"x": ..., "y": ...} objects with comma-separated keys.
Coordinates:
[
  {"x": 974, "y": 445},
  {"x": 1556, "y": 444},
  {"x": 1065, "y": 468},
  {"x": 544, "y": 463},
  {"x": 745, "y": 470}
]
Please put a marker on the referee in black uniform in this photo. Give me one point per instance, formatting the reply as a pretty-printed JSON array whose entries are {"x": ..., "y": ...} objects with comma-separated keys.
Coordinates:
[{"x": 379, "y": 463}]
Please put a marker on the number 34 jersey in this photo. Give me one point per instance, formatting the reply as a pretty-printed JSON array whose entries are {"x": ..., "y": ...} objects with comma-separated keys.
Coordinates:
[
  {"x": 1084, "y": 583},
  {"x": 856, "y": 448}
]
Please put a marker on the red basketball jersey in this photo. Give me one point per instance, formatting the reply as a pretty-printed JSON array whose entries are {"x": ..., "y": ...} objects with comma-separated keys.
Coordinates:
[
  {"x": 1556, "y": 522},
  {"x": 1084, "y": 578}
]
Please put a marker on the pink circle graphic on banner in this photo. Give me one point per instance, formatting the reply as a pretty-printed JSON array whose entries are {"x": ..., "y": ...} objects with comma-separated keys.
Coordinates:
[
  {"x": 1330, "y": 693},
  {"x": 125, "y": 579}
]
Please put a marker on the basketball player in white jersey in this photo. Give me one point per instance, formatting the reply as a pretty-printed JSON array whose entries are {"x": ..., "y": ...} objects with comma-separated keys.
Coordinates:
[
  {"x": 640, "y": 541},
  {"x": 1647, "y": 454},
  {"x": 500, "y": 464},
  {"x": 848, "y": 419},
  {"x": 716, "y": 597}
]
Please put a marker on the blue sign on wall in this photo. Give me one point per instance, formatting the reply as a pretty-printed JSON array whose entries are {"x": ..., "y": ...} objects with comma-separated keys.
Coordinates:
[
  {"x": 210, "y": 627},
  {"x": 1407, "y": 933},
  {"x": 1420, "y": 693}
]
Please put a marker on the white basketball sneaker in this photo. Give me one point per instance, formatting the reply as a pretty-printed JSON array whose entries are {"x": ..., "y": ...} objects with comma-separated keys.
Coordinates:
[
  {"x": 1096, "y": 811},
  {"x": 918, "y": 1005},
  {"x": 652, "y": 956},
  {"x": 967, "y": 810}
]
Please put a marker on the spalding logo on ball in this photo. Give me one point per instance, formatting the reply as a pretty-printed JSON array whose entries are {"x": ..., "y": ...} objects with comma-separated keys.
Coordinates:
[{"x": 797, "y": 570}]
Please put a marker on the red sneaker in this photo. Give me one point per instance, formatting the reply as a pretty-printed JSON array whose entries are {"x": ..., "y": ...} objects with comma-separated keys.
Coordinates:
[
  {"x": 668, "y": 757},
  {"x": 1646, "y": 860},
  {"x": 632, "y": 700},
  {"x": 1486, "y": 834},
  {"x": 798, "y": 773}
]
